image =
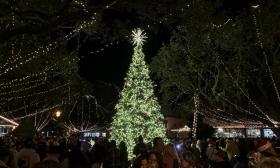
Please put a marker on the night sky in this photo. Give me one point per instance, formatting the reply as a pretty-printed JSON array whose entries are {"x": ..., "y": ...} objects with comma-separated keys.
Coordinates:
[{"x": 111, "y": 64}]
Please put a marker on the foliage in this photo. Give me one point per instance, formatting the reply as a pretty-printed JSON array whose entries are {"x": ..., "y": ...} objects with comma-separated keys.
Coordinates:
[{"x": 220, "y": 57}]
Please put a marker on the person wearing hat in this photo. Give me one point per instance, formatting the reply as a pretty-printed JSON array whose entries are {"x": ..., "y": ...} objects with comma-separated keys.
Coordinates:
[
  {"x": 260, "y": 156},
  {"x": 265, "y": 148}
]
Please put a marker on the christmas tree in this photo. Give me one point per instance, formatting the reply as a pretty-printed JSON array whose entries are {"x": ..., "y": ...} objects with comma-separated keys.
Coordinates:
[{"x": 138, "y": 111}]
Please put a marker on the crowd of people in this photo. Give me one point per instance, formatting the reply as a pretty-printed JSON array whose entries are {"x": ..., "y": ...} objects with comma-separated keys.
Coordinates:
[{"x": 77, "y": 152}]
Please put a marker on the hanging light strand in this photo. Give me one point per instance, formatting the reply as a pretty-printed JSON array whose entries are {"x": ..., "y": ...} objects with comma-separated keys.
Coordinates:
[
  {"x": 34, "y": 94},
  {"x": 265, "y": 56},
  {"x": 196, "y": 103}
]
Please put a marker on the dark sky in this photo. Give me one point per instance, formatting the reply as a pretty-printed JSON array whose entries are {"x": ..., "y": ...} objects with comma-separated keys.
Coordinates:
[{"x": 111, "y": 64}]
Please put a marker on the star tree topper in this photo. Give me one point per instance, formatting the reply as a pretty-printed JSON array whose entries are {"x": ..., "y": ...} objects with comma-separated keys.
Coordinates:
[{"x": 139, "y": 37}]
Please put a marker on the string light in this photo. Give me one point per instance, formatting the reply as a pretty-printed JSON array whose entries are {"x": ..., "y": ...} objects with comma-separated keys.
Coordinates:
[
  {"x": 82, "y": 4},
  {"x": 22, "y": 83},
  {"x": 103, "y": 48},
  {"x": 19, "y": 60},
  {"x": 195, "y": 112},
  {"x": 22, "y": 89},
  {"x": 212, "y": 114},
  {"x": 237, "y": 84},
  {"x": 34, "y": 94},
  {"x": 221, "y": 25},
  {"x": 23, "y": 107},
  {"x": 32, "y": 56},
  {"x": 39, "y": 125},
  {"x": 240, "y": 108},
  {"x": 51, "y": 46},
  {"x": 39, "y": 112},
  {"x": 265, "y": 56},
  {"x": 8, "y": 120}
]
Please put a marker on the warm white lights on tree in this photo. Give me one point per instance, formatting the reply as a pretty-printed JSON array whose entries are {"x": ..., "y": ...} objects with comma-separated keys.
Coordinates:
[{"x": 138, "y": 110}]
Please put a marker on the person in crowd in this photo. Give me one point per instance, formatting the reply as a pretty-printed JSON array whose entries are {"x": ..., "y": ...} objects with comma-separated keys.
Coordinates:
[
  {"x": 231, "y": 149},
  {"x": 112, "y": 159},
  {"x": 42, "y": 149},
  {"x": 51, "y": 159},
  {"x": 141, "y": 161},
  {"x": 158, "y": 145},
  {"x": 199, "y": 145},
  {"x": 194, "y": 149},
  {"x": 188, "y": 160},
  {"x": 123, "y": 155},
  {"x": 76, "y": 159},
  {"x": 53, "y": 153},
  {"x": 98, "y": 152},
  {"x": 212, "y": 153},
  {"x": 27, "y": 156},
  {"x": 4, "y": 156},
  {"x": 263, "y": 150},
  {"x": 140, "y": 147},
  {"x": 155, "y": 160},
  {"x": 170, "y": 159}
]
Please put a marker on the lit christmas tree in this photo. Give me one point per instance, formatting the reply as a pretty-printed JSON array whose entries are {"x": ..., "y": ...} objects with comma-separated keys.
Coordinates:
[{"x": 138, "y": 111}]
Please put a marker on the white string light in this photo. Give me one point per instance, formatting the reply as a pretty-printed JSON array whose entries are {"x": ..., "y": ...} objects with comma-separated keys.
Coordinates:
[
  {"x": 22, "y": 89},
  {"x": 22, "y": 108},
  {"x": 240, "y": 108},
  {"x": 221, "y": 25},
  {"x": 38, "y": 112},
  {"x": 195, "y": 112},
  {"x": 237, "y": 84},
  {"x": 103, "y": 48},
  {"x": 265, "y": 56},
  {"x": 34, "y": 94},
  {"x": 82, "y": 4},
  {"x": 20, "y": 83}
]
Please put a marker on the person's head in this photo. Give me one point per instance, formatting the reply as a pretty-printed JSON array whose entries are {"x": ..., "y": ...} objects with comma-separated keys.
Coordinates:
[
  {"x": 158, "y": 144},
  {"x": 141, "y": 162},
  {"x": 144, "y": 163},
  {"x": 154, "y": 160},
  {"x": 122, "y": 145},
  {"x": 140, "y": 139},
  {"x": 113, "y": 143},
  {"x": 4, "y": 154},
  {"x": 85, "y": 146},
  {"x": 54, "y": 151},
  {"x": 28, "y": 143}
]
